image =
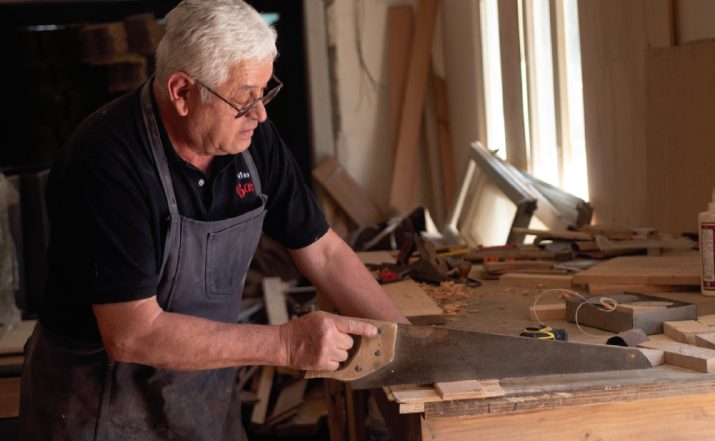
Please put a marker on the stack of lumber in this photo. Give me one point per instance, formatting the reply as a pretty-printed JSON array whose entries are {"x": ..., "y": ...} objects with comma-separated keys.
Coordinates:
[
  {"x": 283, "y": 401},
  {"x": 599, "y": 242},
  {"x": 121, "y": 52},
  {"x": 642, "y": 274},
  {"x": 689, "y": 344}
]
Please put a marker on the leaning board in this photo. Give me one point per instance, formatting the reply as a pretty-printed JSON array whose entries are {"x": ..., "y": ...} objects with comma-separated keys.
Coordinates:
[{"x": 644, "y": 270}]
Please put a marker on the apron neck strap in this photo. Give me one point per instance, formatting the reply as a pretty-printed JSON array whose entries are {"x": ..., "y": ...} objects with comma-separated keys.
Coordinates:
[{"x": 157, "y": 149}]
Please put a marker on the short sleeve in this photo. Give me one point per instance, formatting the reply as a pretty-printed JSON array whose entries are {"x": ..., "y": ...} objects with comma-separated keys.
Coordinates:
[
  {"x": 113, "y": 230},
  {"x": 294, "y": 217}
]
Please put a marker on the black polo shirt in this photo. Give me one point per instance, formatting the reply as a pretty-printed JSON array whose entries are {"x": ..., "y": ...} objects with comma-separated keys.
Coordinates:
[{"x": 109, "y": 216}]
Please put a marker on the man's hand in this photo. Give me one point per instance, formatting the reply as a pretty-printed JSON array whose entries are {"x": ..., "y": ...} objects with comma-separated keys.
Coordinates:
[{"x": 320, "y": 341}]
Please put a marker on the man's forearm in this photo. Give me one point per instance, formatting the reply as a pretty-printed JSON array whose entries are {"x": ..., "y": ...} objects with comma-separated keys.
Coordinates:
[
  {"x": 342, "y": 278},
  {"x": 184, "y": 342}
]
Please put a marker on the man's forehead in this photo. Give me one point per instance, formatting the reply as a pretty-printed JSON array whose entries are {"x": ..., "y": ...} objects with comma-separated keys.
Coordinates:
[{"x": 249, "y": 75}]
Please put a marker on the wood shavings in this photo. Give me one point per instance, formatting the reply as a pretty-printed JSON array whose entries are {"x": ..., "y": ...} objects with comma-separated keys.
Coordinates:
[
  {"x": 446, "y": 291},
  {"x": 448, "y": 295},
  {"x": 454, "y": 308}
]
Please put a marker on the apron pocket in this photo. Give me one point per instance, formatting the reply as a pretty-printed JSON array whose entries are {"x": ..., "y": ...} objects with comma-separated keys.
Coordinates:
[{"x": 228, "y": 255}]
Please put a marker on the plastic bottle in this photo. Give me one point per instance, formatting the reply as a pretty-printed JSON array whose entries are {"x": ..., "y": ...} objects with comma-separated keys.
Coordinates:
[{"x": 706, "y": 221}]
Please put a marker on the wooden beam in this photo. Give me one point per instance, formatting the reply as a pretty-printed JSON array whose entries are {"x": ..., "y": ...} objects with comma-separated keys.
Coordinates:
[
  {"x": 659, "y": 25},
  {"x": 404, "y": 178},
  {"x": 400, "y": 30},
  {"x": 445, "y": 141}
]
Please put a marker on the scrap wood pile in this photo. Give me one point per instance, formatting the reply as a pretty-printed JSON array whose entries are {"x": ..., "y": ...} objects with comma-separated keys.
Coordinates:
[
  {"x": 688, "y": 344},
  {"x": 284, "y": 404}
]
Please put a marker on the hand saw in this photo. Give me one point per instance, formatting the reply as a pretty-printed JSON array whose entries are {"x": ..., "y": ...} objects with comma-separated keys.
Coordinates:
[{"x": 406, "y": 354}]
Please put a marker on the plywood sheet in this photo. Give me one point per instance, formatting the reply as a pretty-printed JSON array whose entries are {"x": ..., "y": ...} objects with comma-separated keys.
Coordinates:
[
  {"x": 680, "y": 133},
  {"x": 613, "y": 43},
  {"x": 411, "y": 299},
  {"x": 644, "y": 270}
]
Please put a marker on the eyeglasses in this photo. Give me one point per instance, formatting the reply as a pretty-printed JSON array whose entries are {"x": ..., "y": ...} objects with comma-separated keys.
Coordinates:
[{"x": 245, "y": 110}]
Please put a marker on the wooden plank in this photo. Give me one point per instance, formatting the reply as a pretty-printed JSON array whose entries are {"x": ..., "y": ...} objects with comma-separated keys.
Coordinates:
[
  {"x": 640, "y": 289},
  {"x": 13, "y": 341},
  {"x": 613, "y": 43},
  {"x": 455, "y": 390},
  {"x": 510, "y": 45},
  {"x": 536, "y": 280},
  {"x": 684, "y": 331},
  {"x": 275, "y": 302},
  {"x": 684, "y": 355},
  {"x": 411, "y": 299},
  {"x": 708, "y": 320},
  {"x": 431, "y": 167},
  {"x": 376, "y": 257},
  {"x": 644, "y": 270},
  {"x": 548, "y": 311},
  {"x": 705, "y": 340},
  {"x": 660, "y": 31},
  {"x": 404, "y": 178},
  {"x": 290, "y": 397},
  {"x": 655, "y": 356},
  {"x": 446, "y": 154},
  {"x": 412, "y": 398},
  {"x": 346, "y": 192},
  {"x": 265, "y": 383},
  {"x": 553, "y": 234},
  {"x": 681, "y": 135},
  {"x": 9, "y": 397},
  {"x": 399, "y": 39},
  {"x": 651, "y": 419}
]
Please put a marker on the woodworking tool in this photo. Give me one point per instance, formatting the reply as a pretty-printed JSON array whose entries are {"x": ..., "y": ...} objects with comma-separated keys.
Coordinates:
[
  {"x": 407, "y": 354},
  {"x": 544, "y": 332}
]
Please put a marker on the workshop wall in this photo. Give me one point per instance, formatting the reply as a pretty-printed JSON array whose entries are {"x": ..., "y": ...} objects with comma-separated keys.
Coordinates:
[{"x": 362, "y": 124}]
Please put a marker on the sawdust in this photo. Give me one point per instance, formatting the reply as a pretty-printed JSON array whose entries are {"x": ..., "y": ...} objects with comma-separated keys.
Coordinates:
[{"x": 448, "y": 295}]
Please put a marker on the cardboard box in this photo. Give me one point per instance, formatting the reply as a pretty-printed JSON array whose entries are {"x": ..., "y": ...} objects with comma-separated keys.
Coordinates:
[{"x": 650, "y": 320}]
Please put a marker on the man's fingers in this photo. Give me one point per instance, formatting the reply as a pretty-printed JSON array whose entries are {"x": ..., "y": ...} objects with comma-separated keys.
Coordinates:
[
  {"x": 355, "y": 327},
  {"x": 343, "y": 341}
]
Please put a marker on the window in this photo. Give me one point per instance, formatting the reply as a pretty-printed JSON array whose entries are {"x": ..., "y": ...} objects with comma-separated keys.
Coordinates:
[{"x": 550, "y": 86}]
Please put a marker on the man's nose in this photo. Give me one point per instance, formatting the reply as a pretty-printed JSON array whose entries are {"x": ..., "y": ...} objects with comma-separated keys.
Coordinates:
[{"x": 258, "y": 112}]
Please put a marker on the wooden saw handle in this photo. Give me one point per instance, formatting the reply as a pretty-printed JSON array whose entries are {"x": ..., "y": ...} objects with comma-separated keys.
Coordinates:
[{"x": 367, "y": 355}]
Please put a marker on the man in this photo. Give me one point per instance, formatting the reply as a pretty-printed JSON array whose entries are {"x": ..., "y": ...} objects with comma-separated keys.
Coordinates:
[{"x": 156, "y": 205}]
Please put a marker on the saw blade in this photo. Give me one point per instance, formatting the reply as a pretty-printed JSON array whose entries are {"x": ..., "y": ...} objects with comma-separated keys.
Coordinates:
[{"x": 425, "y": 355}]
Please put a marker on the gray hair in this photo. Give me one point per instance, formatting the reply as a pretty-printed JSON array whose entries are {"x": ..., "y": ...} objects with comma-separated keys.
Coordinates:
[{"x": 204, "y": 38}]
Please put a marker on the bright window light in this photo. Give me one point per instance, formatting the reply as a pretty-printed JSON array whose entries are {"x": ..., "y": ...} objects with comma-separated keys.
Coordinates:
[{"x": 494, "y": 98}]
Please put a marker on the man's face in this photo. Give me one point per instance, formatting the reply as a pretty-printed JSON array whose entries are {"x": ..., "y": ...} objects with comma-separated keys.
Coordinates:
[{"x": 218, "y": 130}]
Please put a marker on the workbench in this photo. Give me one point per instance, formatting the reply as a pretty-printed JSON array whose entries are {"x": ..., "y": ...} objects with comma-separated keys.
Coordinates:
[{"x": 663, "y": 403}]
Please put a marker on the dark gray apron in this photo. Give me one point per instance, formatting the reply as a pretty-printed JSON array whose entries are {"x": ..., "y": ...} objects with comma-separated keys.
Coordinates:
[{"x": 73, "y": 391}]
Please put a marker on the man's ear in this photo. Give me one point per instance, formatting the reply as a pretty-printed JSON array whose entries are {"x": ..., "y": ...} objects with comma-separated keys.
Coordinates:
[{"x": 180, "y": 87}]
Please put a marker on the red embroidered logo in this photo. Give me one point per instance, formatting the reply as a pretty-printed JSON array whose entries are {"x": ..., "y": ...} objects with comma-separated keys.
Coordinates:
[{"x": 243, "y": 189}]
